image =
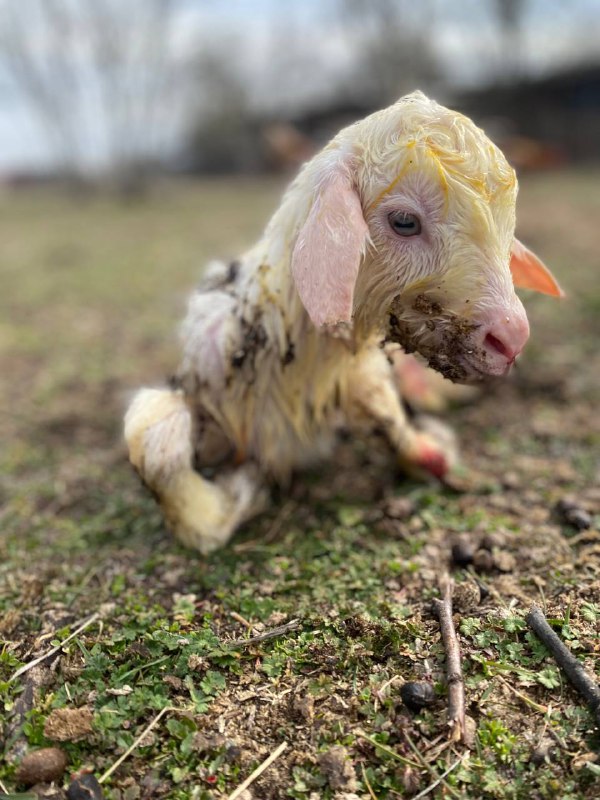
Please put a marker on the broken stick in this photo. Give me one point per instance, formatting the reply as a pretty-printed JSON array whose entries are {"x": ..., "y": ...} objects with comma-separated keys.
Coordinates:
[
  {"x": 572, "y": 668},
  {"x": 262, "y": 637},
  {"x": 454, "y": 677}
]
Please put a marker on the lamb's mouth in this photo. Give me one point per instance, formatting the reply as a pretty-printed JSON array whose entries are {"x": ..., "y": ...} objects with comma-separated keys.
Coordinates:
[{"x": 445, "y": 340}]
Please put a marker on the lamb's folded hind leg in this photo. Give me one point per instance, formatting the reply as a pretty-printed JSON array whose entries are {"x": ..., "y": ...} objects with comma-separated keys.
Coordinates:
[{"x": 203, "y": 514}]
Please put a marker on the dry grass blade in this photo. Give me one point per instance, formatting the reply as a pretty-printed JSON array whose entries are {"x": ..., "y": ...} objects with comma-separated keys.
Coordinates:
[
  {"x": 437, "y": 782},
  {"x": 136, "y": 742},
  {"x": 26, "y": 667},
  {"x": 258, "y": 771}
]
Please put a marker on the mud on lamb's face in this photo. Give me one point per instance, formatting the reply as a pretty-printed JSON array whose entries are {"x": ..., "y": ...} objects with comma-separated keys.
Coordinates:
[
  {"x": 411, "y": 231},
  {"x": 442, "y": 233}
]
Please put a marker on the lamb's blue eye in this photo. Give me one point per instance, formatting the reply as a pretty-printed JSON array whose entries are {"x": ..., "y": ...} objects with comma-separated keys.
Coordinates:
[{"x": 404, "y": 224}]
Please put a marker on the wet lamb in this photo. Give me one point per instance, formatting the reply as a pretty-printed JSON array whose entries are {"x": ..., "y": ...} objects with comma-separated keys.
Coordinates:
[{"x": 400, "y": 230}]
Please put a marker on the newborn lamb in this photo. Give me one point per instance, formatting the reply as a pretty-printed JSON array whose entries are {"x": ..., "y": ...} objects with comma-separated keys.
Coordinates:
[{"x": 400, "y": 230}]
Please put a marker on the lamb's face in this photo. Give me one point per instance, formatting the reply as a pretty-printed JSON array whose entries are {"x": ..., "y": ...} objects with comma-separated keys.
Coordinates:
[{"x": 439, "y": 201}]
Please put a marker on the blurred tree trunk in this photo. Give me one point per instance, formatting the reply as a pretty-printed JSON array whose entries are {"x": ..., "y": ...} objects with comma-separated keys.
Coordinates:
[{"x": 98, "y": 75}]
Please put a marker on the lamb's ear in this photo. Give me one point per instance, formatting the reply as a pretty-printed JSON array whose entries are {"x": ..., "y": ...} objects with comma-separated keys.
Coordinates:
[
  {"x": 329, "y": 249},
  {"x": 528, "y": 272}
]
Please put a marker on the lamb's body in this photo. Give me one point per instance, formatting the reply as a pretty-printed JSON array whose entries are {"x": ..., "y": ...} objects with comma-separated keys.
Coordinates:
[{"x": 281, "y": 345}]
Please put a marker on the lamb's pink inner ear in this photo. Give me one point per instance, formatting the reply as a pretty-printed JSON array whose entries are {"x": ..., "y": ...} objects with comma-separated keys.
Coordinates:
[
  {"x": 328, "y": 252},
  {"x": 528, "y": 272}
]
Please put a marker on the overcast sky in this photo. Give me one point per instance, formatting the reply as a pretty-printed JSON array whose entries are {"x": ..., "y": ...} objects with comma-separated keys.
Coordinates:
[{"x": 263, "y": 36}]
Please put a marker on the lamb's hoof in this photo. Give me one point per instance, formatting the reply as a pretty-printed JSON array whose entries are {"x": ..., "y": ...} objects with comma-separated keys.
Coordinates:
[
  {"x": 434, "y": 451},
  {"x": 204, "y": 515}
]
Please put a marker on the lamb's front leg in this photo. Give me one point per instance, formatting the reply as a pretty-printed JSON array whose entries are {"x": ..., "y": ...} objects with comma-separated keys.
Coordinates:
[
  {"x": 203, "y": 514},
  {"x": 372, "y": 397}
]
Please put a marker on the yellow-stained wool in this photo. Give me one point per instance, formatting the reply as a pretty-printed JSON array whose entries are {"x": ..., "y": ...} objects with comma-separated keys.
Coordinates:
[{"x": 286, "y": 342}]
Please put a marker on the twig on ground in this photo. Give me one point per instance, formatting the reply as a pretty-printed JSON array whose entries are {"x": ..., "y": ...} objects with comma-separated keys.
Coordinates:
[
  {"x": 428, "y": 768},
  {"x": 436, "y": 783},
  {"x": 572, "y": 668},
  {"x": 454, "y": 678},
  {"x": 238, "y": 618},
  {"x": 258, "y": 771},
  {"x": 26, "y": 667},
  {"x": 367, "y": 784},
  {"x": 136, "y": 742},
  {"x": 261, "y": 637},
  {"x": 388, "y": 750},
  {"x": 522, "y": 696}
]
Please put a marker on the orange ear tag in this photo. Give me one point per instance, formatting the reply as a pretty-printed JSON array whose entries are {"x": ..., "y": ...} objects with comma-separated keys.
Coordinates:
[{"x": 528, "y": 272}]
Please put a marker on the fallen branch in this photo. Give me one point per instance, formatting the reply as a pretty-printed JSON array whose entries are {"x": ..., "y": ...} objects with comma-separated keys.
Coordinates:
[
  {"x": 258, "y": 771},
  {"x": 572, "y": 668},
  {"x": 136, "y": 742},
  {"x": 26, "y": 667},
  {"x": 454, "y": 678},
  {"x": 261, "y": 637}
]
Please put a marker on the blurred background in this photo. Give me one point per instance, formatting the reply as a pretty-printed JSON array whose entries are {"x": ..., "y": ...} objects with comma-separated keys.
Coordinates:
[
  {"x": 124, "y": 91},
  {"x": 139, "y": 138}
]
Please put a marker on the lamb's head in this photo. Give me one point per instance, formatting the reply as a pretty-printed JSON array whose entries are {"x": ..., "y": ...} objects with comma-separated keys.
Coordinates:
[{"x": 411, "y": 233}]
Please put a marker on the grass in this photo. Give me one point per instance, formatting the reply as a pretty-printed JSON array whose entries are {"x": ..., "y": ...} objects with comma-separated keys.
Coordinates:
[{"x": 91, "y": 296}]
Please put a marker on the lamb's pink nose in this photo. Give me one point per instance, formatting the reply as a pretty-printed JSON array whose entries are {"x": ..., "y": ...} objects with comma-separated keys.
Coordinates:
[{"x": 502, "y": 336}]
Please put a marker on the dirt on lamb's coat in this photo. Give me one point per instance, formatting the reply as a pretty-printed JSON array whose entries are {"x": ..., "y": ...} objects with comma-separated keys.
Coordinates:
[{"x": 402, "y": 228}]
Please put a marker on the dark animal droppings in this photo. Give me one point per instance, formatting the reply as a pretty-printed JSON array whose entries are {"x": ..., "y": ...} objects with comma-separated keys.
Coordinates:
[{"x": 417, "y": 695}]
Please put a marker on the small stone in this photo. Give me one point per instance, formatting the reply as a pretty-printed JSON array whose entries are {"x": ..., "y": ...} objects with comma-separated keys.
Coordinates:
[
  {"x": 543, "y": 751},
  {"x": 483, "y": 561},
  {"x": 304, "y": 707},
  {"x": 399, "y": 507},
  {"x": 85, "y": 787},
  {"x": 470, "y": 732},
  {"x": 207, "y": 744},
  {"x": 511, "y": 480},
  {"x": 338, "y": 769},
  {"x": 68, "y": 724},
  {"x": 573, "y": 514},
  {"x": 463, "y": 551},
  {"x": 466, "y": 596},
  {"x": 417, "y": 695},
  {"x": 173, "y": 682},
  {"x": 503, "y": 561},
  {"x": 493, "y": 539},
  {"x": 233, "y": 752},
  {"x": 42, "y": 766},
  {"x": 411, "y": 780}
]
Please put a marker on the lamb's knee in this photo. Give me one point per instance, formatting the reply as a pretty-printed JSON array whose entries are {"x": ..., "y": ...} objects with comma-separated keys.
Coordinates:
[{"x": 158, "y": 432}]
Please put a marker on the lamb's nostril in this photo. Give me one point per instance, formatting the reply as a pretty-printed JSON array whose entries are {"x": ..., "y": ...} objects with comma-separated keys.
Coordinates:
[{"x": 493, "y": 343}]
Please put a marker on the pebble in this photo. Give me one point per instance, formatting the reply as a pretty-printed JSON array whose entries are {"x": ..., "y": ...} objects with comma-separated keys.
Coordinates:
[
  {"x": 483, "y": 561},
  {"x": 466, "y": 596},
  {"x": 544, "y": 751},
  {"x": 463, "y": 552},
  {"x": 503, "y": 561},
  {"x": 570, "y": 511},
  {"x": 42, "y": 766},
  {"x": 399, "y": 507},
  {"x": 417, "y": 695},
  {"x": 85, "y": 787},
  {"x": 493, "y": 539}
]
